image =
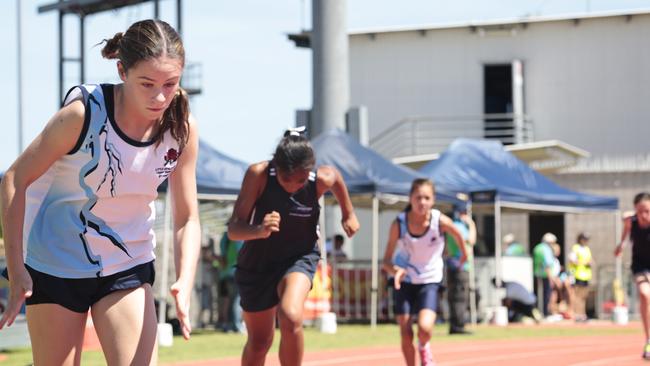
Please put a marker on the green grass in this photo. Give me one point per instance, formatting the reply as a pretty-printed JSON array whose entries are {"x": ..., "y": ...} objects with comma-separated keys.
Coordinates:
[{"x": 206, "y": 345}]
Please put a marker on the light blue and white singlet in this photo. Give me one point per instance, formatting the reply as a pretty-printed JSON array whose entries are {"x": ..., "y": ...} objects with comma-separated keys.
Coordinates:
[
  {"x": 92, "y": 213},
  {"x": 420, "y": 255}
]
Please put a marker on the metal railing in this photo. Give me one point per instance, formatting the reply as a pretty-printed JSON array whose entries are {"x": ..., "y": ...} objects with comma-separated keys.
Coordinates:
[
  {"x": 429, "y": 135},
  {"x": 352, "y": 289},
  {"x": 605, "y": 292}
]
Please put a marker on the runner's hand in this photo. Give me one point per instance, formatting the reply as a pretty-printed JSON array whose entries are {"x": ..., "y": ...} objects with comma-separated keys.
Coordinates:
[
  {"x": 20, "y": 288},
  {"x": 618, "y": 250},
  {"x": 181, "y": 294},
  {"x": 350, "y": 224},
  {"x": 270, "y": 224},
  {"x": 400, "y": 273}
]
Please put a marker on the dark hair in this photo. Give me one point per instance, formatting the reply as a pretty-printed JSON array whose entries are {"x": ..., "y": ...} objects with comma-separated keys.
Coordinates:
[
  {"x": 146, "y": 40},
  {"x": 583, "y": 236},
  {"x": 643, "y": 196},
  {"x": 421, "y": 182},
  {"x": 417, "y": 183},
  {"x": 339, "y": 238},
  {"x": 294, "y": 153}
]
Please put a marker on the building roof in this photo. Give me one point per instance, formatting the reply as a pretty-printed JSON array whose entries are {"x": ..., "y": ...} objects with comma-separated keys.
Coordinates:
[
  {"x": 524, "y": 20},
  {"x": 87, "y": 7},
  {"x": 546, "y": 156}
]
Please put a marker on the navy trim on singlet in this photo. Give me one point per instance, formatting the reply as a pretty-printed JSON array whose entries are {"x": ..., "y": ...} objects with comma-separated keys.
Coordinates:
[
  {"x": 86, "y": 125},
  {"x": 110, "y": 110},
  {"x": 406, "y": 225},
  {"x": 406, "y": 222}
]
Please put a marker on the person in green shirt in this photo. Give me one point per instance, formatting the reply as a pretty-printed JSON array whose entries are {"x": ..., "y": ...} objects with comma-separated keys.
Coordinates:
[
  {"x": 227, "y": 287},
  {"x": 543, "y": 260}
]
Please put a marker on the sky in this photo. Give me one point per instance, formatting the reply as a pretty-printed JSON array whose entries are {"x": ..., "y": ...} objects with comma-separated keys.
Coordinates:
[{"x": 253, "y": 77}]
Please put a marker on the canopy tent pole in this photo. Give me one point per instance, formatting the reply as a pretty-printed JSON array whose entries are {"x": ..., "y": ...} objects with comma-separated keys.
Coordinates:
[
  {"x": 323, "y": 250},
  {"x": 472, "y": 275},
  {"x": 497, "y": 240},
  {"x": 375, "y": 260},
  {"x": 619, "y": 231}
]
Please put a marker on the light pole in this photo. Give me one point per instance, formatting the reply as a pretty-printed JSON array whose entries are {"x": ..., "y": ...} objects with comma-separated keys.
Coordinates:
[{"x": 19, "y": 76}]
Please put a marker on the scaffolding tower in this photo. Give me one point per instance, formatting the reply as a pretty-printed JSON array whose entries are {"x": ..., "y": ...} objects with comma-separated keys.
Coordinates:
[{"x": 192, "y": 75}]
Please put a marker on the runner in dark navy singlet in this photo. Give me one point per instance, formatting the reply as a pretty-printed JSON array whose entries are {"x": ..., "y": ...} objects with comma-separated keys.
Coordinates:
[
  {"x": 277, "y": 214},
  {"x": 637, "y": 228}
]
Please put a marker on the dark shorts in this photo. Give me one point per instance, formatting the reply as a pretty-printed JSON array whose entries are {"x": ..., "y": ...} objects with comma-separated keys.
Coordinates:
[
  {"x": 410, "y": 298},
  {"x": 259, "y": 290},
  {"x": 79, "y": 294}
]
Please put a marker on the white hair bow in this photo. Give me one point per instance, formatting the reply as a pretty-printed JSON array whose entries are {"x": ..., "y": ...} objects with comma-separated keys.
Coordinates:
[{"x": 296, "y": 131}]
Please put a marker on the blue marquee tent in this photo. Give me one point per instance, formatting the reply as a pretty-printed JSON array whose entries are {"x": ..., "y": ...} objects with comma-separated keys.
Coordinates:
[
  {"x": 484, "y": 169},
  {"x": 363, "y": 169},
  {"x": 217, "y": 174},
  {"x": 478, "y": 165}
]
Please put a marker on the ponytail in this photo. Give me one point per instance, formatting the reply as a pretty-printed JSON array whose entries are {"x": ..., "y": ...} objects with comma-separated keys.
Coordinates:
[
  {"x": 176, "y": 120},
  {"x": 294, "y": 152}
]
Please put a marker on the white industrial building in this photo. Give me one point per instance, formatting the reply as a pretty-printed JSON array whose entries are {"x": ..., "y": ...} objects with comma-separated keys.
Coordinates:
[{"x": 568, "y": 94}]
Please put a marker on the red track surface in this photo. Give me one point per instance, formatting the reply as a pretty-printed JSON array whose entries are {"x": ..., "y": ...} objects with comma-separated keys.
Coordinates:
[{"x": 556, "y": 351}]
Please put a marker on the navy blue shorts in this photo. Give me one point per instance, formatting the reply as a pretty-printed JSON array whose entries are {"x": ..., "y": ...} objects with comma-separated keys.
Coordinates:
[
  {"x": 258, "y": 291},
  {"x": 79, "y": 294},
  {"x": 410, "y": 298}
]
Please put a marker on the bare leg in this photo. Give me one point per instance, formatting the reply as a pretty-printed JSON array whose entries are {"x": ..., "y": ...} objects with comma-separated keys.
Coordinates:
[
  {"x": 260, "y": 326},
  {"x": 406, "y": 332},
  {"x": 293, "y": 290},
  {"x": 426, "y": 320},
  {"x": 125, "y": 322},
  {"x": 643, "y": 286},
  {"x": 56, "y": 334}
]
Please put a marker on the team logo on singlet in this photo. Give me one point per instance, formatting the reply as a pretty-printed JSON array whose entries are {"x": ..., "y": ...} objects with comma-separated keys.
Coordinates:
[
  {"x": 299, "y": 209},
  {"x": 170, "y": 158}
]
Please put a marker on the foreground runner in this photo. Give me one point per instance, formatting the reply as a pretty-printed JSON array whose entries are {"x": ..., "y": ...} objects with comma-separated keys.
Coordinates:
[{"x": 80, "y": 201}]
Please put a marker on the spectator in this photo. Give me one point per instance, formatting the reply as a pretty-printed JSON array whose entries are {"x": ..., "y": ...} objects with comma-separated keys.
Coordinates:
[
  {"x": 519, "y": 301},
  {"x": 227, "y": 288},
  {"x": 561, "y": 301},
  {"x": 209, "y": 274},
  {"x": 337, "y": 248},
  {"x": 543, "y": 259},
  {"x": 457, "y": 273},
  {"x": 513, "y": 248},
  {"x": 581, "y": 262}
]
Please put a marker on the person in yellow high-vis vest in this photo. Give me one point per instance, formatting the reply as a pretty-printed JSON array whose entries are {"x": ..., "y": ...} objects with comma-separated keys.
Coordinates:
[{"x": 580, "y": 264}]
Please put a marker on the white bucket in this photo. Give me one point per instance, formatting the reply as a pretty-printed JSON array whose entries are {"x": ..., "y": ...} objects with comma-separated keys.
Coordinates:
[
  {"x": 620, "y": 315},
  {"x": 326, "y": 323},
  {"x": 165, "y": 335},
  {"x": 500, "y": 317}
]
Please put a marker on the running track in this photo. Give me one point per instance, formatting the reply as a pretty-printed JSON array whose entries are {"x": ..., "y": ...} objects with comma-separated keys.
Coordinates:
[{"x": 556, "y": 351}]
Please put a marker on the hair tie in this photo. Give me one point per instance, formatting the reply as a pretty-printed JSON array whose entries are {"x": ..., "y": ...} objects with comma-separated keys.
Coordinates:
[{"x": 296, "y": 131}]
